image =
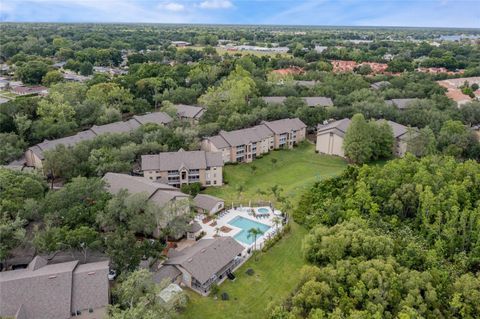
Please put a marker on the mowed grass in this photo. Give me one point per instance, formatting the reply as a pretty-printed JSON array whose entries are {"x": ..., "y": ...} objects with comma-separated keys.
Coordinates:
[
  {"x": 277, "y": 270},
  {"x": 294, "y": 171},
  {"x": 276, "y": 273}
]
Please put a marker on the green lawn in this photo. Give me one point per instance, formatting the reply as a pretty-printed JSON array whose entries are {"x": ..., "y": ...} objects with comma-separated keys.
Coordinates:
[
  {"x": 276, "y": 274},
  {"x": 295, "y": 170},
  {"x": 276, "y": 271}
]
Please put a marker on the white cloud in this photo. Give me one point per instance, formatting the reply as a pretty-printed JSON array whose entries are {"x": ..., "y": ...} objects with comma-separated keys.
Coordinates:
[
  {"x": 216, "y": 4},
  {"x": 172, "y": 6}
]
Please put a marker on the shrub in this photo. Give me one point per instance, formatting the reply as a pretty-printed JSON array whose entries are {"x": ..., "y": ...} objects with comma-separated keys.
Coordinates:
[
  {"x": 214, "y": 289},
  {"x": 250, "y": 272}
]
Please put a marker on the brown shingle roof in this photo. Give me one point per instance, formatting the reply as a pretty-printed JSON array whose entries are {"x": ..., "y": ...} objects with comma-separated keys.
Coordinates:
[
  {"x": 207, "y": 257},
  {"x": 207, "y": 202},
  {"x": 285, "y": 125},
  {"x": 153, "y": 118},
  {"x": 189, "y": 111},
  {"x": 53, "y": 290},
  {"x": 158, "y": 193},
  {"x": 166, "y": 161}
]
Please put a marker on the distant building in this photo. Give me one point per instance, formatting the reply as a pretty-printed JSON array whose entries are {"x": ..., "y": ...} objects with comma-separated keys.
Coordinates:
[
  {"x": 246, "y": 144},
  {"x": 29, "y": 90},
  {"x": 180, "y": 44},
  {"x": 455, "y": 93},
  {"x": 55, "y": 291},
  {"x": 190, "y": 113},
  {"x": 380, "y": 85},
  {"x": 312, "y": 101},
  {"x": 330, "y": 137},
  {"x": 34, "y": 154},
  {"x": 207, "y": 262},
  {"x": 184, "y": 167},
  {"x": 73, "y": 77},
  {"x": 400, "y": 104}
]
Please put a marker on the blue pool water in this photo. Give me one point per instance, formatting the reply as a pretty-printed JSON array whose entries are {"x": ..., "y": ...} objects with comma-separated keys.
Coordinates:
[
  {"x": 246, "y": 224},
  {"x": 263, "y": 210}
]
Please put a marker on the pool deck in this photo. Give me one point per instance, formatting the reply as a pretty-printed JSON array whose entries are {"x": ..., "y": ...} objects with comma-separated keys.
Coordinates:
[{"x": 225, "y": 217}]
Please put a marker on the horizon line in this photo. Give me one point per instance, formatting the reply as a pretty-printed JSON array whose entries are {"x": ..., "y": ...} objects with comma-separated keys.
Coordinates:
[{"x": 243, "y": 24}]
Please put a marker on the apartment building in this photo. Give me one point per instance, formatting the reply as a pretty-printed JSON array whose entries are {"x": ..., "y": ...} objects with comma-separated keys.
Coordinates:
[
  {"x": 34, "y": 154},
  {"x": 184, "y": 167},
  {"x": 246, "y": 144}
]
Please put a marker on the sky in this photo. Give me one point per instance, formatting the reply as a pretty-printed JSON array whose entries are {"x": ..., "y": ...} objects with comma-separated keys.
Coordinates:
[{"x": 421, "y": 13}]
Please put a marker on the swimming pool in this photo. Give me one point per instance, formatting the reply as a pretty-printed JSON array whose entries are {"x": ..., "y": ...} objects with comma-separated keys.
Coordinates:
[
  {"x": 245, "y": 224},
  {"x": 263, "y": 210}
]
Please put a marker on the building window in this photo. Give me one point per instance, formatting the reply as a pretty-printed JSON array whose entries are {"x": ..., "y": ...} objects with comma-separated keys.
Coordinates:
[{"x": 214, "y": 182}]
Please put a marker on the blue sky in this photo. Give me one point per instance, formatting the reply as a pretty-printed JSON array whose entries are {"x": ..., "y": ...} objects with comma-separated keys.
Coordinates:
[{"x": 425, "y": 13}]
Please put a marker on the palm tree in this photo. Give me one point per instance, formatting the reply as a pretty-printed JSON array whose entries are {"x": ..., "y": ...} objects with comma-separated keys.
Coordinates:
[
  {"x": 276, "y": 221},
  {"x": 254, "y": 232}
]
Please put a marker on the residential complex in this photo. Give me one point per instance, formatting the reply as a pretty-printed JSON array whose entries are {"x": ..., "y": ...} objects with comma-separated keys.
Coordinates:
[
  {"x": 34, "y": 155},
  {"x": 330, "y": 137},
  {"x": 184, "y": 167},
  {"x": 246, "y": 144},
  {"x": 55, "y": 291}
]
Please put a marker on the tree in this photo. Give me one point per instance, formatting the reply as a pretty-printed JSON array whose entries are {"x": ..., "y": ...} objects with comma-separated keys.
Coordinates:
[
  {"x": 11, "y": 147},
  {"x": 52, "y": 77},
  {"x": 455, "y": 138},
  {"x": 56, "y": 116},
  {"x": 32, "y": 72},
  {"x": 124, "y": 250},
  {"x": 85, "y": 68},
  {"x": 357, "y": 142},
  {"x": 12, "y": 234},
  {"x": 77, "y": 204},
  {"x": 254, "y": 232},
  {"x": 59, "y": 163},
  {"x": 422, "y": 143},
  {"x": 111, "y": 95}
]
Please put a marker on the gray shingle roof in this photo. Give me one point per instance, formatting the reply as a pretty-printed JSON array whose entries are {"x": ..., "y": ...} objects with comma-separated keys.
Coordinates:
[
  {"x": 256, "y": 133},
  {"x": 207, "y": 202},
  {"x": 194, "y": 227},
  {"x": 310, "y": 101},
  {"x": 379, "y": 85},
  {"x": 53, "y": 290},
  {"x": 318, "y": 101},
  {"x": 155, "y": 118},
  {"x": 400, "y": 103},
  {"x": 189, "y": 111},
  {"x": 158, "y": 193},
  {"x": 167, "y": 271},
  {"x": 166, "y": 161},
  {"x": 67, "y": 141},
  {"x": 274, "y": 99},
  {"x": 398, "y": 129},
  {"x": 116, "y": 127},
  {"x": 339, "y": 127},
  {"x": 285, "y": 125},
  {"x": 207, "y": 257},
  {"x": 305, "y": 83},
  {"x": 247, "y": 135}
]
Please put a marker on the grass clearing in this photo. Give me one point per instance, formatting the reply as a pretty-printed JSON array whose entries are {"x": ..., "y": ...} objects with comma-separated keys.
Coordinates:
[
  {"x": 293, "y": 170},
  {"x": 277, "y": 270}
]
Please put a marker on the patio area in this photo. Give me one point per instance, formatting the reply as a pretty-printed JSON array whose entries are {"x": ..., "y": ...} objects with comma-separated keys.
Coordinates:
[{"x": 235, "y": 223}]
